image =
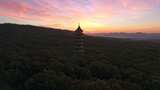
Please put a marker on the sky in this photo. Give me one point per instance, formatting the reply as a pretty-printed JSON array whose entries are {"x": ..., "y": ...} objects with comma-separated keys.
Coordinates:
[{"x": 94, "y": 16}]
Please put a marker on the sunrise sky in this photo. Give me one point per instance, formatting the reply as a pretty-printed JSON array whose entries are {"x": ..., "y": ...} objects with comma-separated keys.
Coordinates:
[{"x": 94, "y": 15}]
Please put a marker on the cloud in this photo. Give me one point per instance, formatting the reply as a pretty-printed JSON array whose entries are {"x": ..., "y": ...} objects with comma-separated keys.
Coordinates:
[
  {"x": 59, "y": 12},
  {"x": 76, "y": 8}
]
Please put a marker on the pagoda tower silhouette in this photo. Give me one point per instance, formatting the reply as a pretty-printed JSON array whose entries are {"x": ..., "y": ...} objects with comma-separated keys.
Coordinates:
[{"x": 79, "y": 41}]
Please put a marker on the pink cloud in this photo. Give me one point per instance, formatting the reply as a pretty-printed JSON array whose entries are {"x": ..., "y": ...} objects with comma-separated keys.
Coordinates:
[
  {"x": 43, "y": 8},
  {"x": 59, "y": 12}
]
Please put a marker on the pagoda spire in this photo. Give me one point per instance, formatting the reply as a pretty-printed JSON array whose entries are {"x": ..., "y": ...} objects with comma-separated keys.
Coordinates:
[{"x": 79, "y": 29}]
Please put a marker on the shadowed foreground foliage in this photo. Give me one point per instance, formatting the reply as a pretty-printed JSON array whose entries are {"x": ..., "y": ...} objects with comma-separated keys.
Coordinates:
[{"x": 36, "y": 58}]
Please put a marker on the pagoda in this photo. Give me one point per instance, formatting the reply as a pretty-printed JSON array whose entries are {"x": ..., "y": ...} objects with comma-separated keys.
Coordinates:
[{"x": 79, "y": 41}]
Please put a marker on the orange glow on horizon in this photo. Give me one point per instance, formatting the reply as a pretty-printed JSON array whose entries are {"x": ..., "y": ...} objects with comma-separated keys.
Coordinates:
[{"x": 95, "y": 16}]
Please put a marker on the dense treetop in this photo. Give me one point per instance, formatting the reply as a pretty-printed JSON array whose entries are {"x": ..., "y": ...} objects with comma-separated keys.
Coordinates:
[{"x": 38, "y": 58}]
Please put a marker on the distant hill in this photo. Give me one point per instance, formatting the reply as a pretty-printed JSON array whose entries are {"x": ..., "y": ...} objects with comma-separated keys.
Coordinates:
[
  {"x": 134, "y": 36},
  {"x": 40, "y": 58}
]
